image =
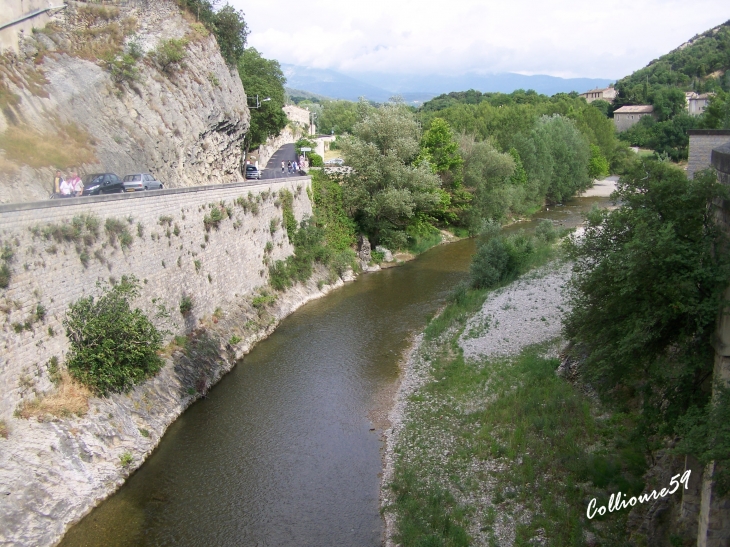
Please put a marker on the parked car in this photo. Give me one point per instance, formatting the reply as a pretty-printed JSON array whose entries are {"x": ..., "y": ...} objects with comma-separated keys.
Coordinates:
[
  {"x": 252, "y": 172},
  {"x": 141, "y": 181},
  {"x": 102, "y": 183}
]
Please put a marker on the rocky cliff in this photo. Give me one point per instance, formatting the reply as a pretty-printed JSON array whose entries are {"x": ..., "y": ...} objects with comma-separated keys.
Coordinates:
[{"x": 138, "y": 86}]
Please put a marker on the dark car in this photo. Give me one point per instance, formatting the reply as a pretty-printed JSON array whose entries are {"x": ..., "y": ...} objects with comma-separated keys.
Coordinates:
[
  {"x": 141, "y": 181},
  {"x": 102, "y": 183},
  {"x": 252, "y": 172}
]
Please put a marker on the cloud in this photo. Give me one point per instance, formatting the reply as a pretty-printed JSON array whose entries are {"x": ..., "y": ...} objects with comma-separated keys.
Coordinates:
[{"x": 569, "y": 38}]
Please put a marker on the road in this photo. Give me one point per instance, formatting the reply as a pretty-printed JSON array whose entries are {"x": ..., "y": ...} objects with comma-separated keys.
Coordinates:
[{"x": 273, "y": 167}]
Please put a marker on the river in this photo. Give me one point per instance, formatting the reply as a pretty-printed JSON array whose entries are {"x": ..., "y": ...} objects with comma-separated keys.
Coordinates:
[{"x": 285, "y": 450}]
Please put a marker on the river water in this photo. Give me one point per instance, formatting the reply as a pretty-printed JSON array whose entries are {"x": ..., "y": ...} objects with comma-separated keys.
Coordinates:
[{"x": 285, "y": 451}]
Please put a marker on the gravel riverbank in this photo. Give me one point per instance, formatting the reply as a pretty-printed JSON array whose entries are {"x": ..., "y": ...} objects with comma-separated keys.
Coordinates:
[{"x": 525, "y": 312}]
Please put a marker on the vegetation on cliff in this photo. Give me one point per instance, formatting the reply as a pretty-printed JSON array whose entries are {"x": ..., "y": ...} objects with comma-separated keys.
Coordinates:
[{"x": 112, "y": 346}]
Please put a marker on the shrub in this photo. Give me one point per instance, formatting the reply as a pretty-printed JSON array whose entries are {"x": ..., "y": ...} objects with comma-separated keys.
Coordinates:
[
  {"x": 5, "y": 275},
  {"x": 118, "y": 230},
  {"x": 315, "y": 160},
  {"x": 215, "y": 217},
  {"x": 125, "y": 459},
  {"x": 112, "y": 346},
  {"x": 169, "y": 53},
  {"x": 234, "y": 340},
  {"x": 186, "y": 304}
]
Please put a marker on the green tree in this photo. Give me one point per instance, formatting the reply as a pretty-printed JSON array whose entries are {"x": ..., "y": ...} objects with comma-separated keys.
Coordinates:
[
  {"x": 569, "y": 154},
  {"x": 112, "y": 346},
  {"x": 231, "y": 32},
  {"x": 338, "y": 117},
  {"x": 441, "y": 150},
  {"x": 717, "y": 113},
  {"x": 646, "y": 291},
  {"x": 597, "y": 165},
  {"x": 667, "y": 102},
  {"x": 262, "y": 77},
  {"x": 387, "y": 192}
]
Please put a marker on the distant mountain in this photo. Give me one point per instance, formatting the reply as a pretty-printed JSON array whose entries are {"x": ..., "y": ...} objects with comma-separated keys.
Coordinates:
[
  {"x": 416, "y": 89},
  {"x": 505, "y": 82},
  {"x": 305, "y": 94}
]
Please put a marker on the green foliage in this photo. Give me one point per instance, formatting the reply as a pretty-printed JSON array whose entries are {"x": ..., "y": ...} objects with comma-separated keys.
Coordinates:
[
  {"x": 646, "y": 291},
  {"x": 337, "y": 117},
  {"x": 597, "y": 165},
  {"x": 186, "y": 304},
  {"x": 441, "y": 150},
  {"x": 227, "y": 24},
  {"x": 339, "y": 229},
  {"x": 54, "y": 370},
  {"x": 315, "y": 160},
  {"x": 118, "y": 230},
  {"x": 263, "y": 300},
  {"x": 126, "y": 459},
  {"x": 122, "y": 68},
  {"x": 685, "y": 68},
  {"x": 231, "y": 32},
  {"x": 170, "y": 54},
  {"x": 287, "y": 205},
  {"x": 112, "y": 346},
  {"x": 214, "y": 218},
  {"x": 386, "y": 189},
  {"x": 5, "y": 272},
  {"x": 717, "y": 113},
  {"x": 666, "y": 138},
  {"x": 500, "y": 259},
  {"x": 263, "y": 77},
  {"x": 234, "y": 340}
]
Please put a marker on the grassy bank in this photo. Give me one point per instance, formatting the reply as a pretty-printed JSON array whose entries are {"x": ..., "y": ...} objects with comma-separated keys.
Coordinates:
[{"x": 503, "y": 451}]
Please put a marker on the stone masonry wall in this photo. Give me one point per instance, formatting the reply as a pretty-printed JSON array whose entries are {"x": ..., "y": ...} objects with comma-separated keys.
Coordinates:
[
  {"x": 701, "y": 143},
  {"x": 171, "y": 253}
]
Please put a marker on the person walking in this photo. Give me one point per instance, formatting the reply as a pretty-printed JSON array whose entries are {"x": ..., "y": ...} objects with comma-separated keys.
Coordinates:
[
  {"x": 76, "y": 184},
  {"x": 283, "y": 166},
  {"x": 67, "y": 189},
  {"x": 57, "y": 180},
  {"x": 288, "y": 166}
]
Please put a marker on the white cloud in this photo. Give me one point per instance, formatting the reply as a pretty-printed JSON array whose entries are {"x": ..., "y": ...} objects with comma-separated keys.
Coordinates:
[{"x": 569, "y": 38}]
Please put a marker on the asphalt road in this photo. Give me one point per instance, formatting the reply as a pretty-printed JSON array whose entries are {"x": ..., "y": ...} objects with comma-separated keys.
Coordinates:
[{"x": 273, "y": 167}]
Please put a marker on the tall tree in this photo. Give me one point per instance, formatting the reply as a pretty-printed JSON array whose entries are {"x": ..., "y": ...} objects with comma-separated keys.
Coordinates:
[
  {"x": 262, "y": 77},
  {"x": 387, "y": 192}
]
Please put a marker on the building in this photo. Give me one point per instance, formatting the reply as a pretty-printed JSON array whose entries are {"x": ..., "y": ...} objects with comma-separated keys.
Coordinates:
[
  {"x": 301, "y": 117},
  {"x": 607, "y": 94},
  {"x": 627, "y": 116},
  {"x": 696, "y": 103},
  {"x": 701, "y": 144}
]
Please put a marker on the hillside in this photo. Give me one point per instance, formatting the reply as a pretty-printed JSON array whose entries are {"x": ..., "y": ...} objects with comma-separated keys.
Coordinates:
[
  {"x": 700, "y": 65},
  {"x": 138, "y": 86}
]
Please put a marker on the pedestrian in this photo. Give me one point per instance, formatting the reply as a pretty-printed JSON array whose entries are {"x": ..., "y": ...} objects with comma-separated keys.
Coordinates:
[
  {"x": 294, "y": 166},
  {"x": 66, "y": 189},
  {"x": 288, "y": 166},
  {"x": 283, "y": 166},
  {"x": 57, "y": 180},
  {"x": 76, "y": 183}
]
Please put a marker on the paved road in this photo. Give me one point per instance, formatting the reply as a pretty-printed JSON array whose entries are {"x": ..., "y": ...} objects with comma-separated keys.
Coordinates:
[{"x": 273, "y": 167}]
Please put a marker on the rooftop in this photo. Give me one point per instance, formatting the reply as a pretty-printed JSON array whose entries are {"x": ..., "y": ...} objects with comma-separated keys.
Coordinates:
[{"x": 635, "y": 108}]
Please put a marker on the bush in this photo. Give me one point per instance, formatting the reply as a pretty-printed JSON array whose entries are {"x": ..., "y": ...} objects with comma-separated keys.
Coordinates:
[
  {"x": 186, "y": 305},
  {"x": 315, "y": 160},
  {"x": 112, "y": 346},
  {"x": 501, "y": 259},
  {"x": 169, "y": 53}
]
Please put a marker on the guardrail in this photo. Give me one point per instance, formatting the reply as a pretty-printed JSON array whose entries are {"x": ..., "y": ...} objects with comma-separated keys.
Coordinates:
[{"x": 63, "y": 202}]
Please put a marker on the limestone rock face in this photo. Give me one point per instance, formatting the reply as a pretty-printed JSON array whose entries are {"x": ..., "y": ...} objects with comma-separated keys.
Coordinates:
[
  {"x": 185, "y": 124},
  {"x": 363, "y": 249}
]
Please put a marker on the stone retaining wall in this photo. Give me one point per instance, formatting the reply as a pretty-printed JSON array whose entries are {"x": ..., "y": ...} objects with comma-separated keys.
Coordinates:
[
  {"x": 171, "y": 253},
  {"x": 701, "y": 143}
]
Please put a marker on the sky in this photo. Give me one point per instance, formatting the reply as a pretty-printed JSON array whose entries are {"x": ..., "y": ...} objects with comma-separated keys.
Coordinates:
[{"x": 565, "y": 38}]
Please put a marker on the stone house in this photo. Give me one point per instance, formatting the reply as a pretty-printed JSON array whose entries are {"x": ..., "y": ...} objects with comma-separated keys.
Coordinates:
[
  {"x": 301, "y": 117},
  {"x": 607, "y": 94},
  {"x": 696, "y": 103},
  {"x": 629, "y": 115}
]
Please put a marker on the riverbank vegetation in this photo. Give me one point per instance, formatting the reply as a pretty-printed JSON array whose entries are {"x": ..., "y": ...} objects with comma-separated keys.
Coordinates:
[
  {"x": 466, "y": 158},
  {"x": 646, "y": 293}
]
